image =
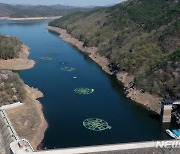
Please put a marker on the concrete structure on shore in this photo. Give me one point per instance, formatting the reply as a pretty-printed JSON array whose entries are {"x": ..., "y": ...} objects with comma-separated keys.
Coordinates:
[
  {"x": 8, "y": 134},
  {"x": 7, "y": 131},
  {"x": 166, "y": 109},
  {"x": 9, "y": 140},
  {"x": 158, "y": 147},
  {"x": 11, "y": 106}
]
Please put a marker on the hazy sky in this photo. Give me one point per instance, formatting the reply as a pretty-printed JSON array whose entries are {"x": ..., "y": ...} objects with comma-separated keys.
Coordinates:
[{"x": 64, "y": 2}]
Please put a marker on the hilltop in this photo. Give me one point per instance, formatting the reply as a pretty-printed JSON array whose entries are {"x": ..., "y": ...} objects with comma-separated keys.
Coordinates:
[
  {"x": 141, "y": 37},
  {"x": 24, "y": 11},
  {"x": 14, "y": 54},
  {"x": 10, "y": 47}
]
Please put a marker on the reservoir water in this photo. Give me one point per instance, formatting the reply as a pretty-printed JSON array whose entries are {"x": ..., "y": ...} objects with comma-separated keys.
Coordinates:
[{"x": 65, "y": 110}]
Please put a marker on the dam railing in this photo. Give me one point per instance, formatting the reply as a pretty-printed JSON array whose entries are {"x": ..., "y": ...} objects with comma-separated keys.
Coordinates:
[{"x": 8, "y": 132}]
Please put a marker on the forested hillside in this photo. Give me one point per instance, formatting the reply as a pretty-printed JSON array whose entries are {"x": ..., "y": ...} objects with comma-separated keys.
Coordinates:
[
  {"x": 22, "y": 11},
  {"x": 142, "y": 37},
  {"x": 9, "y": 47}
]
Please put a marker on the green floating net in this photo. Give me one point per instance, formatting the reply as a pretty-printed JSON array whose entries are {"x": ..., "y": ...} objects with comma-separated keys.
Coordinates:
[
  {"x": 96, "y": 124},
  {"x": 46, "y": 58},
  {"x": 67, "y": 69},
  {"x": 84, "y": 91}
]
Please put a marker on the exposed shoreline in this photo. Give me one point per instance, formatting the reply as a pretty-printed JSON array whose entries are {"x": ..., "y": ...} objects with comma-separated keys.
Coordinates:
[
  {"x": 152, "y": 102},
  {"x": 28, "y": 120},
  {"x": 30, "y": 18},
  {"x": 20, "y": 63}
]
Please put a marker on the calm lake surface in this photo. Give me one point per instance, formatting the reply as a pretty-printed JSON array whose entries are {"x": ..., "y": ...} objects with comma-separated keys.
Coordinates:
[{"x": 65, "y": 110}]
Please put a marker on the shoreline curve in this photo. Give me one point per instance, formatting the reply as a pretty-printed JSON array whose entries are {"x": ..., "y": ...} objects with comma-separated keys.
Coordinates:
[
  {"x": 149, "y": 101},
  {"x": 21, "y": 125}
]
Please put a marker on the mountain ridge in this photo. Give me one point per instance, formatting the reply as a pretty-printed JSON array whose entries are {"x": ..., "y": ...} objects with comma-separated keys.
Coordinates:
[
  {"x": 134, "y": 35},
  {"x": 21, "y": 11}
]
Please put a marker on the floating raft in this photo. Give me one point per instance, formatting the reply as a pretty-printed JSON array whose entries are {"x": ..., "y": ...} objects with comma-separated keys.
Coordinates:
[
  {"x": 68, "y": 69},
  {"x": 96, "y": 124},
  {"x": 46, "y": 58},
  {"x": 83, "y": 91}
]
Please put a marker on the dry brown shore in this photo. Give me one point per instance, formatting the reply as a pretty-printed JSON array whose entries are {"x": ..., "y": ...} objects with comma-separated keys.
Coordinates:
[
  {"x": 28, "y": 120},
  {"x": 152, "y": 102},
  {"x": 30, "y": 18},
  {"x": 20, "y": 63}
]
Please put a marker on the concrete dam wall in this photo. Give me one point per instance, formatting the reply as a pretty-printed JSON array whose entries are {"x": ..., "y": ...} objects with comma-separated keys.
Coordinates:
[{"x": 8, "y": 134}]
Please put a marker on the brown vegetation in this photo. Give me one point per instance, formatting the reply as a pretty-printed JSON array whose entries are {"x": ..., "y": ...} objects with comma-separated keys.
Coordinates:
[
  {"x": 28, "y": 120},
  {"x": 11, "y": 88}
]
